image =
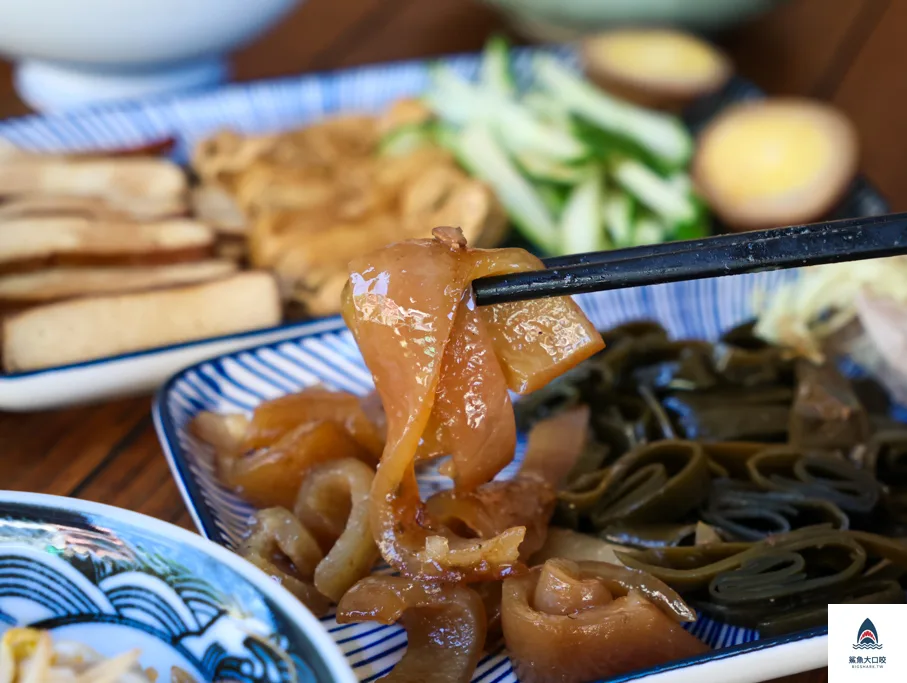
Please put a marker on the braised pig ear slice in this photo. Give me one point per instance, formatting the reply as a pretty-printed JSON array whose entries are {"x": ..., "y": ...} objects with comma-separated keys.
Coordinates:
[
  {"x": 273, "y": 419},
  {"x": 225, "y": 434},
  {"x": 334, "y": 498},
  {"x": 539, "y": 340},
  {"x": 569, "y": 622},
  {"x": 404, "y": 305},
  {"x": 400, "y": 304},
  {"x": 272, "y": 476},
  {"x": 528, "y": 499},
  {"x": 445, "y": 625},
  {"x": 472, "y": 417}
]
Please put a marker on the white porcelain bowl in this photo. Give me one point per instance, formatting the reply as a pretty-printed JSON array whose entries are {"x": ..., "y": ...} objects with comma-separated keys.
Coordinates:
[{"x": 71, "y": 53}]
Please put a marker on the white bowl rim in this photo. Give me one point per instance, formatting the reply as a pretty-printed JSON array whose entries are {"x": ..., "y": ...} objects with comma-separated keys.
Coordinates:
[{"x": 336, "y": 663}]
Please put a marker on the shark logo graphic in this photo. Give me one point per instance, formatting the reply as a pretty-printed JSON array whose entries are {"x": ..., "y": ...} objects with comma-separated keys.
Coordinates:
[{"x": 867, "y": 637}]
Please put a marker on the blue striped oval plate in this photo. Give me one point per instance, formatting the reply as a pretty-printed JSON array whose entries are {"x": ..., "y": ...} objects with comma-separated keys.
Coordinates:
[
  {"x": 255, "y": 107},
  {"x": 325, "y": 353}
]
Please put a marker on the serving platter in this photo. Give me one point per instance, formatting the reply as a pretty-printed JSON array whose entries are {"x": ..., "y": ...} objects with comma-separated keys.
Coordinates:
[
  {"x": 325, "y": 353},
  {"x": 264, "y": 106}
]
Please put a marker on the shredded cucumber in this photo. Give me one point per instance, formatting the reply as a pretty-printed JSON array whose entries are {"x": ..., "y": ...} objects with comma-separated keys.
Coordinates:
[
  {"x": 495, "y": 73},
  {"x": 452, "y": 98},
  {"x": 581, "y": 222},
  {"x": 553, "y": 195},
  {"x": 649, "y": 230},
  {"x": 459, "y": 102},
  {"x": 663, "y": 135},
  {"x": 547, "y": 109},
  {"x": 484, "y": 158},
  {"x": 445, "y": 136},
  {"x": 671, "y": 204},
  {"x": 619, "y": 209},
  {"x": 575, "y": 168},
  {"x": 538, "y": 167}
]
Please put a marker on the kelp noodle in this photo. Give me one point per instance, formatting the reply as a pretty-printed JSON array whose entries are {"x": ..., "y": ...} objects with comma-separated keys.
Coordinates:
[
  {"x": 743, "y": 478},
  {"x": 781, "y": 583}
]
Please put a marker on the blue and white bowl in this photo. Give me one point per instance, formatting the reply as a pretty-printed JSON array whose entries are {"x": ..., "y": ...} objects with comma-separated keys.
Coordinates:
[
  {"x": 325, "y": 353},
  {"x": 117, "y": 580}
]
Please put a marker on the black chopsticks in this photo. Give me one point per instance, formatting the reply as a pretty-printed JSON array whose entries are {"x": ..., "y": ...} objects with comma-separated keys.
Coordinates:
[{"x": 750, "y": 252}]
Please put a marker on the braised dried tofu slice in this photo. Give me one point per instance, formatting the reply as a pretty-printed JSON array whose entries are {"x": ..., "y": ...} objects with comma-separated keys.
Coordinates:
[
  {"x": 122, "y": 182},
  {"x": 39, "y": 241},
  {"x": 57, "y": 284}
]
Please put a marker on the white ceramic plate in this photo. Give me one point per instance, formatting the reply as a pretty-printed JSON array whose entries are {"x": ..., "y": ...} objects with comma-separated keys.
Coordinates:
[
  {"x": 326, "y": 354},
  {"x": 256, "y": 107}
]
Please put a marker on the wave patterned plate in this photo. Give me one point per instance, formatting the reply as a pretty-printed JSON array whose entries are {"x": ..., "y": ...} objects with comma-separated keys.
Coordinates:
[
  {"x": 115, "y": 581},
  {"x": 326, "y": 354}
]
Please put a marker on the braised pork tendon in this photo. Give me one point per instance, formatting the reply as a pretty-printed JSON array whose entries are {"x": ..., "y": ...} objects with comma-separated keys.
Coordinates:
[
  {"x": 299, "y": 550},
  {"x": 283, "y": 549},
  {"x": 310, "y": 452},
  {"x": 334, "y": 497},
  {"x": 272, "y": 419},
  {"x": 411, "y": 304},
  {"x": 529, "y": 498},
  {"x": 573, "y": 622},
  {"x": 445, "y": 625},
  {"x": 266, "y": 458}
]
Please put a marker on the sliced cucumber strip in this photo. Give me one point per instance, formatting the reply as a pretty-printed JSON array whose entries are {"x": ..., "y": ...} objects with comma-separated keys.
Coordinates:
[
  {"x": 538, "y": 167},
  {"x": 581, "y": 222},
  {"x": 682, "y": 182},
  {"x": 459, "y": 102},
  {"x": 484, "y": 158},
  {"x": 649, "y": 230},
  {"x": 661, "y": 134},
  {"x": 495, "y": 72},
  {"x": 668, "y": 202},
  {"x": 554, "y": 196},
  {"x": 548, "y": 109},
  {"x": 445, "y": 136},
  {"x": 452, "y": 98},
  {"x": 700, "y": 226},
  {"x": 619, "y": 209}
]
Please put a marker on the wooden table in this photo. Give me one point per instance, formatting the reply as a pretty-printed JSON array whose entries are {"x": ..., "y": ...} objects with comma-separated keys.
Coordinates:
[{"x": 851, "y": 52}]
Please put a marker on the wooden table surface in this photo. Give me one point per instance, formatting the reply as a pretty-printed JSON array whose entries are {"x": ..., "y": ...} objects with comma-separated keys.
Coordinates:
[{"x": 850, "y": 52}]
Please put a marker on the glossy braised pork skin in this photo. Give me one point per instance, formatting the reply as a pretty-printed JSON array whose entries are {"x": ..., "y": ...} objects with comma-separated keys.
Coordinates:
[{"x": 442, "y": 367}]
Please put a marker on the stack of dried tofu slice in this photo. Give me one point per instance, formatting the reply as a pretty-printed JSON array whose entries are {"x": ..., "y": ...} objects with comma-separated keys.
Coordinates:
[{"x": 98, "y": 258}]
